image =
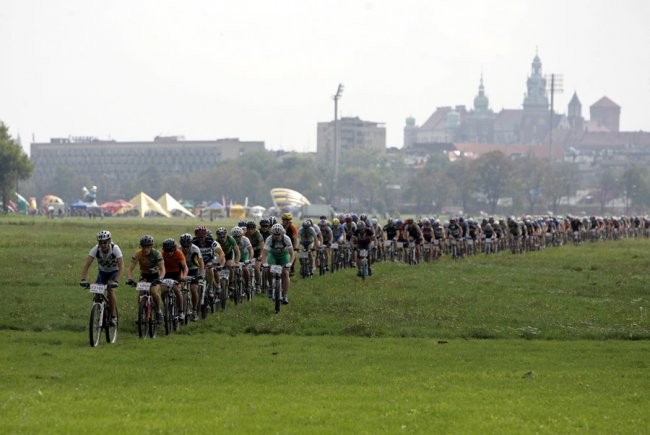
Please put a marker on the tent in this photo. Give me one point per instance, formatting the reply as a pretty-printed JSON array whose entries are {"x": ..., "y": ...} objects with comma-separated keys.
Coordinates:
[
  {"x": 257, "y": 211},
  {"x": 170, "y": 204},
  {"x": 283, "y": 197},
  {"x": 117, "y": 207},
  {"x": 237, "y": 211},
  {"x": 144, "y": 203}
]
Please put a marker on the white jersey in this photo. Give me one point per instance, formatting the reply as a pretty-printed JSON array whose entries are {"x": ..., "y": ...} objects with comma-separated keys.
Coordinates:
[{"x": 106, "y": 262}]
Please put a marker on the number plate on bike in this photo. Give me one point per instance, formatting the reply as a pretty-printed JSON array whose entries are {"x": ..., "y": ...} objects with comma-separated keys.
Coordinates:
[
  {"x": 276, "y": 269},
  {"x": 334, "y": 246},
  {"x": 224, "y": 273},
  {"x": 143, "y": 286},
  {"x": 363, "y": 253},
  {"x": 97, "y": 288},
  {"x": 470, "y": 242},
  {"x": 168, "y": 282},
  {"x": 304, "y": 254}
]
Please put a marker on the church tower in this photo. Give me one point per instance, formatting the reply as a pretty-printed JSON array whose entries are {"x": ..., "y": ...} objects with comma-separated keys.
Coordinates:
[
  {"x": 480, "y": 122},
  {"x": 535, "y": 118},
  {"x": 576, "y": 121}
]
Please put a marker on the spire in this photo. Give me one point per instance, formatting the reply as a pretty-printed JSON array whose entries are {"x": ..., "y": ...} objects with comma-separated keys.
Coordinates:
[
  {"x": 536, "y": 84},
  {"x": 481, "y": 102}
]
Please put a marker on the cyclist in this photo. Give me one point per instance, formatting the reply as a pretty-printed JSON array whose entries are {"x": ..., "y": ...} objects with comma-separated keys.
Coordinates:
[
  {"x": 204, "y": 241},
  {"x": 245, "y": 249},
  {"x": 230, "y": 251},
  {"x": 195, "y": 268},
  {"x": 152, "y": 267},
  {"x": 328, "y": 236},
  {"x": 257, "y": 241},
  {"x": 291, "y": 231},
  {"x": 308, "y": 240},
  {"x": 278, "y": 249},
  {"x": 338, "y": 232},
  {"x": 110, "y": 265},
  {"x": 176, "y": 269},
  {"x": 362, "y": 239}
]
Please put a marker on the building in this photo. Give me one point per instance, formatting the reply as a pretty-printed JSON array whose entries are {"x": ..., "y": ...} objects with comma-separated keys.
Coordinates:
[
  {"x": 354, "y": 134},
  {"x": 528, "y": 125},
  {"x": 124, "y": 161}
]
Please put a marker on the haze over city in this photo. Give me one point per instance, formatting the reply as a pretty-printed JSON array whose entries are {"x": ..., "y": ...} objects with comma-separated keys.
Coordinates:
[{"x": 267, "y": 71}]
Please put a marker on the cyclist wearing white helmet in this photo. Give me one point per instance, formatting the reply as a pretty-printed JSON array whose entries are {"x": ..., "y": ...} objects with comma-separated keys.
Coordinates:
[
  {"x": 278, "y": 249},
  {"x": 110, "y": 265}
]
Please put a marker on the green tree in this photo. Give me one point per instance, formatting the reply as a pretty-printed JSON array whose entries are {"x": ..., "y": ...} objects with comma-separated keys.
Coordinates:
[
  {"x": 14, "y": 166},
  {"x": 494, "y": 171}
]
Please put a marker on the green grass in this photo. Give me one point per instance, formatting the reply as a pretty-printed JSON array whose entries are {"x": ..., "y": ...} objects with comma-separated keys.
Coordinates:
[{"x": 555, "y": 341}]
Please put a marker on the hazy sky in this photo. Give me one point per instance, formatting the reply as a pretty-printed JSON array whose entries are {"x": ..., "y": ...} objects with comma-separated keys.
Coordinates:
[{"x": 267, "y": 70}]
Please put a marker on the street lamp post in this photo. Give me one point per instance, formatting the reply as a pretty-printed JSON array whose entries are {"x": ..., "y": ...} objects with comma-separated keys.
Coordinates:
[
  {"x": 337, "y": 151},
  {"x": 554, "y": 87}
]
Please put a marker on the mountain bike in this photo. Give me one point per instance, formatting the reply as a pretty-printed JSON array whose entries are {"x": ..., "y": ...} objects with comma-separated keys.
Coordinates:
[
  {"x": 188, "y": 310},
  {"x": 305, "y": 262},
  {"x": 170, "y": 304},
  {"x": 100, "y": 315},
  {"x": 276, "y": 285},
  {"x": 427, "y": 253},
  {"x": 224, "y": 281},
  {"x": 252, "y": 284},
  {"x": 337, "y": 257},
  {"x": 147, "y": 310},
  {"x": 364, "y": 269},
  {"x": 238, "y": 290},
  {"x": 322, "y": 264}
]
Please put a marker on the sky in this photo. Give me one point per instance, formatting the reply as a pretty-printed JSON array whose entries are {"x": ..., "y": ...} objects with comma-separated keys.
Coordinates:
[{"x": 262, "y": 70}]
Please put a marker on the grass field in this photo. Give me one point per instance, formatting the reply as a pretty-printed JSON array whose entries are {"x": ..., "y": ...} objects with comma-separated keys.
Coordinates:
[{"x": 555, "y": 341}]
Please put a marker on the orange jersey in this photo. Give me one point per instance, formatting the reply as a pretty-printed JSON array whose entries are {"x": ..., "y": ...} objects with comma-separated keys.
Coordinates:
[{"x": 174, "y": 261}]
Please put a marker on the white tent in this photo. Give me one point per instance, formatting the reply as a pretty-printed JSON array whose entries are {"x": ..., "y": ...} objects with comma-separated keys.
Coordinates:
[
  {"x": 170, "y": 204},
  {"x": 144, "y": 203}
]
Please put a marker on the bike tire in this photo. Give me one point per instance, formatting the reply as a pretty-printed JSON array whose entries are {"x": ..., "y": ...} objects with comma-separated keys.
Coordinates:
[
  {"x": 111, "y": 330},
  {"x": 169, "y": 317},
  {"x": 143, "y": 320},
  {"x": 277, "y": 295},
  {"x": 188, "y": 300},
  {"x": 95, "y": 325},
  {"x": 223, "y": 295},
  {"x": 152, "y": 321}
]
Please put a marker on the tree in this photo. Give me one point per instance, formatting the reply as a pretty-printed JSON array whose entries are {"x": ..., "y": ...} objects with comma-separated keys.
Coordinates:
[
  {"x": 532, "y": 176},
  {"x": 494, "y": 172},
  {"x": 14, "y": 166}
]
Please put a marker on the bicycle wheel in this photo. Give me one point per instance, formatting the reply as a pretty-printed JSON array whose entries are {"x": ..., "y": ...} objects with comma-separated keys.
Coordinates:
[
  {"x": 277, "y": 294},
  {"x": 111, "y": 330},
  {"x": 143, "y": 320},
  {"x": 152, "y": 320},
  {"x": 188, "y": 301},
  {"x": 95, "y": 324},
  {"x": 169, "y": 315},
  {"x": 223, "y": 294},
  {"x": 176, "y": 321}
]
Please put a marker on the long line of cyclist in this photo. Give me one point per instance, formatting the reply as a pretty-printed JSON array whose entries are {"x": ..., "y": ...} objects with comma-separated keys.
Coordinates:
[{"x": 204, "y": 271}]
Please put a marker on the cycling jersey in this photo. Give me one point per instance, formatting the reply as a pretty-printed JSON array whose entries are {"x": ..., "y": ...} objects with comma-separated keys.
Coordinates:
[
  {"x": 149, "y": 263},
  {"x": 173, "y": 261},
  {"x": 244, "y": 243},
  {"x": 106, "y": 262},
  {"x": 228, "y": 246},
  {"x": 205, "y": 246},
  {"x": 192, "y": 257}
]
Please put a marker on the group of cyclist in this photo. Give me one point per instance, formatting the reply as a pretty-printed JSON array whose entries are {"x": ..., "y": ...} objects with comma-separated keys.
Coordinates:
[
  {"x": 193, "y": 256},
  {"x": 276, "y": 243}
]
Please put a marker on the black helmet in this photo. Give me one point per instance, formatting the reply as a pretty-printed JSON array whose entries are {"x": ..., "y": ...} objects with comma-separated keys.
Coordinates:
[
  {"x": 146, "y": 240},
  {"x": 169, "y": 245}
]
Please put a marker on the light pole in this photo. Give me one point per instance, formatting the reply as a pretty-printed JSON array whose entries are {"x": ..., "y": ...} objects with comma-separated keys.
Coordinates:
[
  {"x": 555, "y": 86},
  {"x": 337, "y": 151}
]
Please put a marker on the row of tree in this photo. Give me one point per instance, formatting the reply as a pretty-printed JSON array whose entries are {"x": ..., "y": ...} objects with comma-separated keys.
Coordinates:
[{"x": 382, "y": 183}]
